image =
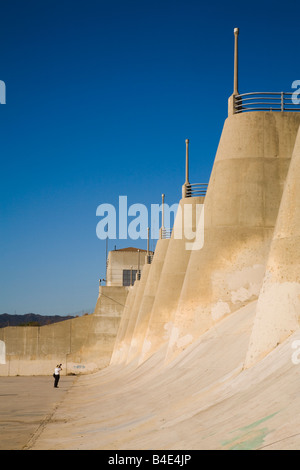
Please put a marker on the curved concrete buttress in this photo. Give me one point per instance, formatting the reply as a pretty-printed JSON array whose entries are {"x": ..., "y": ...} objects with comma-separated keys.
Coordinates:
[
  {"x": 278, "y": 306},
  {"x": 172, "y": 275},
  {"x": 123, "y": 349},
  {"x": 241, "y": 207},
  {"x": 117, "y": 354},
  {"x": 135, "y": 310},
  {"x": 143, "y": 316}
]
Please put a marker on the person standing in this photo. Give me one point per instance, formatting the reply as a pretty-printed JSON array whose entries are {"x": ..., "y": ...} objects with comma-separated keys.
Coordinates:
[{"x": 56, "y": 375}]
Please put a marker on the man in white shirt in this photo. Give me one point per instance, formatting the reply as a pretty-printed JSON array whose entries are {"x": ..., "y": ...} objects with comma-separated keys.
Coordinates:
[{"x": 56, "y": 375}]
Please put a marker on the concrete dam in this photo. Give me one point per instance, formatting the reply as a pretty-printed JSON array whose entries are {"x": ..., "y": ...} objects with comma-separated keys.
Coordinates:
[{"x": 201, "y": 350}]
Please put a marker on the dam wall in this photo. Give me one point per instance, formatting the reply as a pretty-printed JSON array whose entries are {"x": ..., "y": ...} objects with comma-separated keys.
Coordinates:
[
  {"x": 135, "y": 311},
  {"x": 249, "y": 213},
  {"x": 241, "y": 208},
  {"x": 187, "y": 292},
  {"x": 120, "y": 345},
  {"x": 203, "y": 350},
  {"x": 278, "y": 306},
  {"x": 83, "y": 344},
  {"x": 172, "y": 275},
  {"x": 137, "y": 335}
]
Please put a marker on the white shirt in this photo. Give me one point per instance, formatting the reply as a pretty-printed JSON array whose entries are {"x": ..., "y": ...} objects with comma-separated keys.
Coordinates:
[{"x": 57, "y": 370}]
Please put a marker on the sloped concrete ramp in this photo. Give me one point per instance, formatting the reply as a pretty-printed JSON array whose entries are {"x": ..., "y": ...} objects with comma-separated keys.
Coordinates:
[{"x": 204, "y": 399}]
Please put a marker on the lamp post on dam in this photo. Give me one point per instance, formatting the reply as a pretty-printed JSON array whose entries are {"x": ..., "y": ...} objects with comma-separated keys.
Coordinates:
[{"x": 231, "y": 101}]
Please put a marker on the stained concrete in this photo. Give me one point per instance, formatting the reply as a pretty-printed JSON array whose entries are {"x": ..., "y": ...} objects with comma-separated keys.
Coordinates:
[
  {"x": 171, "y": 277},
  {"x": 241, "y": 208},
  {"x": 137, "y": 335},
  {"x": 278, "y": 309}
]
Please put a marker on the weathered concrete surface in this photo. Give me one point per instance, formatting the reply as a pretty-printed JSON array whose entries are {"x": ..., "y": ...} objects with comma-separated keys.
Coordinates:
[
  {"x": 111, "y": 300},
  {"x": 118, "y": 354},
  {"x": 241, "y": 208},
  {"x": 204, "y": 399},
  {"x": 143, "y": 315},
  {"x": 135, "y": 310},
  {"x": 172, "y": 275},
  {"x": 278, "y": 309},
  {"x": 26, "y": 405}
]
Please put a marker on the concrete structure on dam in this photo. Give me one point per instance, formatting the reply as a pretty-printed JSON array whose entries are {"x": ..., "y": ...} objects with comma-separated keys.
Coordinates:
[
  {"x": 124, "y": 266},
  {"x": 197, "y": 353}
]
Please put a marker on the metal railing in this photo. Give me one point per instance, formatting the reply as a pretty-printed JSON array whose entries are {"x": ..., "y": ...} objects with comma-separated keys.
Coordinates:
[
  {"x": 265, "y": 101},
  {"x": 196, "y": 189},
  {"x": 166, "y": 233}
]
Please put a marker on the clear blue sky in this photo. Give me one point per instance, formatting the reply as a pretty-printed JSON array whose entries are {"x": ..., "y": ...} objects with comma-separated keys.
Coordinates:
[{"x": 101, "y": 96}]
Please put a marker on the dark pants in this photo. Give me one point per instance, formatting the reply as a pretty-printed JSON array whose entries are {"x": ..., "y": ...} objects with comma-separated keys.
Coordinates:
[{"x": 56, "y": 379}]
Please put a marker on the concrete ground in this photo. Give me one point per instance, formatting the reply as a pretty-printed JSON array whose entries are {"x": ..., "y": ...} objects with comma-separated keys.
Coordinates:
[{"x": 26, "y": 405}]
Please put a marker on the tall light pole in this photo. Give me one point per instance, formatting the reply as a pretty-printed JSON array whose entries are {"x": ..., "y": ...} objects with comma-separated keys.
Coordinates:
[
  {"x": 232, "y": 107},
  {"x": 186, "y": 185},
  {"x": 187, "y": 162},
  {"x": 163, "y": 212},
  {"x": 148, "y": 243},
  {"x": 236, "y": 62}
]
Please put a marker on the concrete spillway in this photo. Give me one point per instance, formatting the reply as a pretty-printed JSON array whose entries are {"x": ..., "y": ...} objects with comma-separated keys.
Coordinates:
[
  {"x": 204, "y": 399},
  {"x": 204, "y": 356}
]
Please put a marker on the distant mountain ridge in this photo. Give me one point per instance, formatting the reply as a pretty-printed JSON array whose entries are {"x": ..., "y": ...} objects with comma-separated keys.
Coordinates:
[{"x": 31, "y": 319}]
